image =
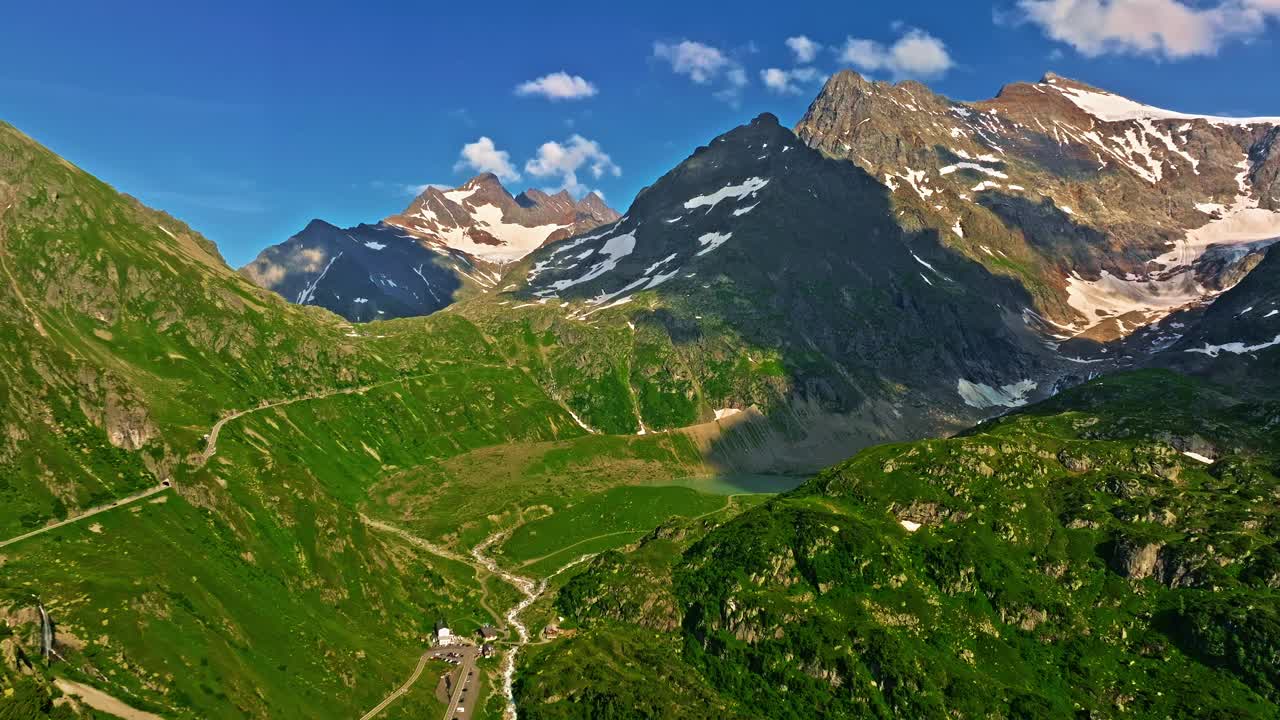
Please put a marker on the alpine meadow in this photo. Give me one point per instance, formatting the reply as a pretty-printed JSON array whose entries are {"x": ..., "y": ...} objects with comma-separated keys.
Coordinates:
[{"x": 738, "y": 369}]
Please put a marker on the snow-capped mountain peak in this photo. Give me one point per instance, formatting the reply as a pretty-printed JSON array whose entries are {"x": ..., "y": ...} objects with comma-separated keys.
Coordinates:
[
  {"x": 484, "y": 220},
  {"x": 1124, "y": 210},
  {"x": 449, "y": 243}
]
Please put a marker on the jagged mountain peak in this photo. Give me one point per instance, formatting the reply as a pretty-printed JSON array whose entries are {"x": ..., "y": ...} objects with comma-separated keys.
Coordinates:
[
  {"x": 1111, "y": 207},
  {"x": 484, "y": 180},
  {"x": 480, "y": 217},
  {"x": 317, "y": 224},
  {"x": 845, "y": 81},
  {"x": 771, "y": 238},
  {"x": 593, "y": 202},
  {"x": 1053, "y": 78},
  {"x": 766, "y": 118},
  {"x": 447, "y": 244}
]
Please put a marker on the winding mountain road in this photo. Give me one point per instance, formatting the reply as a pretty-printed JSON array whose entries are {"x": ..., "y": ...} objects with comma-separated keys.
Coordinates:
[
  {"x": 142, "y": 495},
  {"x": 211, "y": 447},
  {"x": 211, "y": 442}
]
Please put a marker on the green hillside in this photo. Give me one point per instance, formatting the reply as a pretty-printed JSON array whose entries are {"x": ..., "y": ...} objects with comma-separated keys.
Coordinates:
[
  {"x": 250, "y": 585},
  {"x": 230, "y": 506},
  {"x": 1064, "y": 561}
]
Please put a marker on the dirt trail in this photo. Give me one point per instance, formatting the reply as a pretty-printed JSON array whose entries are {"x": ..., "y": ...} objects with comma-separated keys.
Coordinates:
[
  {"x": 395, "y": 695},
  {"x": 211, "y": 443},
  {"x": 211, "y": 447},
  {"x": 103, "y": 702},
  {"x": 566, "y": 548},
  {"x": 412, "y": 539},
  {"x": 728, "y": 505},
  {"x": 90, "y": 513}
]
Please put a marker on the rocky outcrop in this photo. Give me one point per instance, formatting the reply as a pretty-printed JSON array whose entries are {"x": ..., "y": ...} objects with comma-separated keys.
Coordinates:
[
  {"x": 127, "y": 422},
  {"x": 611, "y": 589},
  {"x": 1171, "y": 566}
]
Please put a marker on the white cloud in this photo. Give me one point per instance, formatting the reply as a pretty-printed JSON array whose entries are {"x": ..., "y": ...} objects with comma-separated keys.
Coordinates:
[
  {"x": 777, "y": 80},
  {"x": 702, "y": 63},
  {"x": 1172, "y": 29},
  {"x": 916, "y": 54},
  {"x": 805, "y": 49},
  {"x": 558, "y": 86},
  {"x": 482, "y": 156},
  {"x": 566, "y": 159},
  {"x": 732, "y": 92},
  {"x": 789, "y": 81},
  {"x": 705, "y": 65}
]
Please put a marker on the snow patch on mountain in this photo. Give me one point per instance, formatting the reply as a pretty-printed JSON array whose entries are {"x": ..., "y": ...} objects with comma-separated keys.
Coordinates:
[
  {"x": 747, "y": 187},
  {"x": 517, "y": 240},
  {"x": 1198, "y": 457},
  {"x": 1114, "y": 108},
  {"x": 982, "y": 396},
  {"x": 309, "y": 292},
  {"x": 972, "y": 166},
  {"x": 615, "y": 248},
  {"x": 711, "y": 241},
  {"x": 459, "y": 195},
  {"x": 931, "y": 268},
  {"x": 1235, "y": 348},
  {"x": 1171, "y": 284},
  {"x": 649, "y": 270}
]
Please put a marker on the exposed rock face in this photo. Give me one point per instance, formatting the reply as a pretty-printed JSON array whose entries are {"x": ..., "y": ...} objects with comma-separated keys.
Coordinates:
[
  {"x": 1237, "y": 338},
  {"x": 482, "y": 219},
  {"x": 1171, "y": 567},
  {"x": 609, "y": 588},
  {"x": 445, "y": 245},
  {"x": 1137, "y": 561},
  {"x": 128, "y": 424},
  {"x": 794, "y": 250},
  {"x": 368, "y": 272},
  {"x": 1114, "y": 208}
]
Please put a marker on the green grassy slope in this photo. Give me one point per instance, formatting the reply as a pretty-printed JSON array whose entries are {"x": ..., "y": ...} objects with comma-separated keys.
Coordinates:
[
  {"x": 252, "y": 587},
  {"x": 1068, "y": 559}
]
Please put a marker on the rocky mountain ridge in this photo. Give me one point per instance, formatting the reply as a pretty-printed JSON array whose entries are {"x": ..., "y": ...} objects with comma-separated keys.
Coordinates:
[
  {"x": 482, "y": 219},
  {"x": 1111, "y": 212},
  {"x": 446, "y": 245}
]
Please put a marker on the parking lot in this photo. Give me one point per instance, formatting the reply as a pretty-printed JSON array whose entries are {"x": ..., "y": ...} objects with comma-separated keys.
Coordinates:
[{"x": 465, "y": 684}]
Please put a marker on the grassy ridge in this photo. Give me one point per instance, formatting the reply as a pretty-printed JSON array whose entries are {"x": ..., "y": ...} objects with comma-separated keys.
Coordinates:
[{"x": 1068, "y": 558}]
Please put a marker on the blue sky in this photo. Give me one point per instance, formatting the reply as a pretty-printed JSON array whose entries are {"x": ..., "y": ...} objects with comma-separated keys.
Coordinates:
[{"x": 248, "y": 119}]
